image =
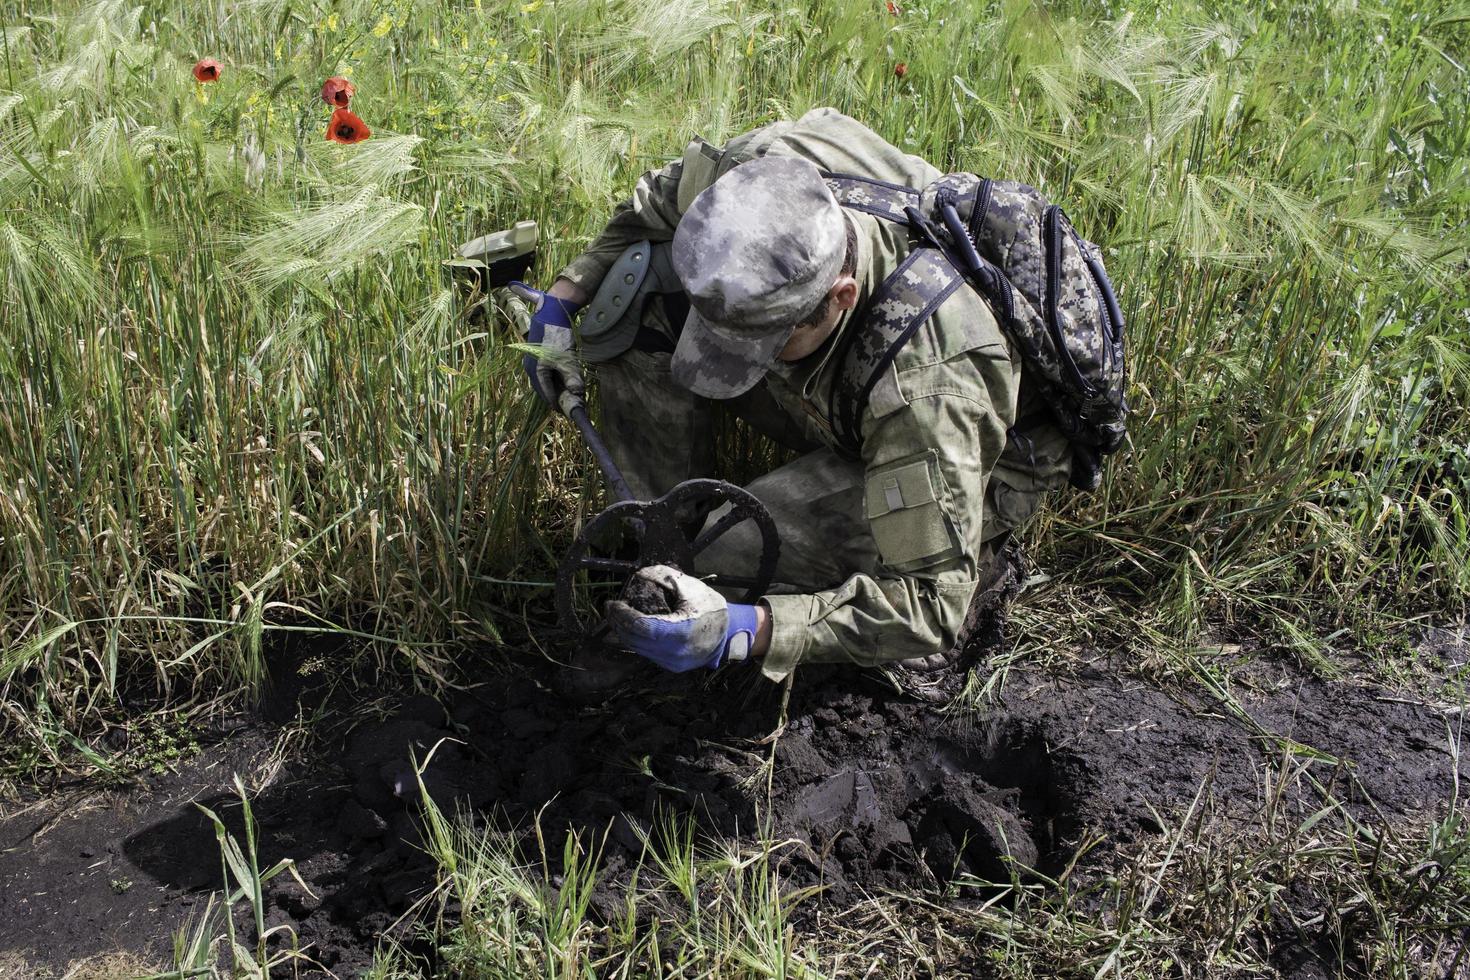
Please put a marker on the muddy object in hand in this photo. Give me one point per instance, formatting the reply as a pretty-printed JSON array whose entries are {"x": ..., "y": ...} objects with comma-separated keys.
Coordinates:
[{"x": 648, "y": 597}]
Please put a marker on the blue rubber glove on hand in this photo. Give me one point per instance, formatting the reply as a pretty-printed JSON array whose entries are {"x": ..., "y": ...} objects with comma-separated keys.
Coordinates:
[
  {"x": 702, "y": 630},
  {"x": 556, "y": 368}
]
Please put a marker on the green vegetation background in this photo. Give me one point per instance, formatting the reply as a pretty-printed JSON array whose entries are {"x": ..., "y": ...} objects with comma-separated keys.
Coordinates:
[{"x": 239, "y": 393}]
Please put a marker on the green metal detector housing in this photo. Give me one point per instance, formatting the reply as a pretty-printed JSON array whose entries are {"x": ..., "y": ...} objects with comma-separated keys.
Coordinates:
[{"x": 496, "y": 259}]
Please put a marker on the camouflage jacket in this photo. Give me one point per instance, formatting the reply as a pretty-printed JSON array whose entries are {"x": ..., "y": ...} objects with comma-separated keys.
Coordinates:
[{"x": 933, "y": 429}]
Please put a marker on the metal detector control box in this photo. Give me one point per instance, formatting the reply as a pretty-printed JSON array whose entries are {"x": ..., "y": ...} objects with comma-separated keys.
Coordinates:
[{"x": 500, "y": 257}]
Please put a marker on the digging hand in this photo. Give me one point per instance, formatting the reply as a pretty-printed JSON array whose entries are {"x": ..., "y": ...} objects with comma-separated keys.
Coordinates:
[
  {"x": 700, "y": 630},
  {"x": 554, "y": 371}
]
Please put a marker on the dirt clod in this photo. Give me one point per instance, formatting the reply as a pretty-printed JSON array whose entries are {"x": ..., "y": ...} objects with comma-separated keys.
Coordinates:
[{"x": 647, "y": 597}]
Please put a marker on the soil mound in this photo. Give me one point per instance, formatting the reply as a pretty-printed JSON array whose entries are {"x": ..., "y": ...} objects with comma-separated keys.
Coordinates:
[{"x": 880, "y": 790}]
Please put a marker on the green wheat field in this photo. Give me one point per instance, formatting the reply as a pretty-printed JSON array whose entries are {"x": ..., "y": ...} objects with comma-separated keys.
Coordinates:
[{"x": 243, "y": 399}]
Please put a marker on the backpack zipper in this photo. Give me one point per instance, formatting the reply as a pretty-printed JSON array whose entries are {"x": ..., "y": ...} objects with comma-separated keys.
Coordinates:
[
  {"x": 1051, "y": 239},
  {"x": 997, "y": 288},
  {"x": 1107, "y": 320},
  {"x": 982, "y": 207},
  {"x": 1108, "y": 300}
]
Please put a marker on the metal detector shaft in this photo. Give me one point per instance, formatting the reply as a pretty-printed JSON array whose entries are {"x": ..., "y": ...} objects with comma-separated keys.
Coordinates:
[{"x": 576, "y": 410}]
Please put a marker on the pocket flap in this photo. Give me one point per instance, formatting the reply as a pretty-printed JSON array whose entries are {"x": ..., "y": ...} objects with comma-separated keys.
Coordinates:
[
  {"x": 907, "y": 513},
  {"x": 899, "y": 488}
]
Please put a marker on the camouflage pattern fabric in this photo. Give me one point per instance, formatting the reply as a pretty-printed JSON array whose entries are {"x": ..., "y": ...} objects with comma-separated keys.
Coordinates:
[
  {"x": 872, "y": 196},
  {"x": 922, "y": 282},
  {"x": 1072, "y": 337},
  {"x": 1037, "y": 460},
  {"x": 817, "y": 500},
  {"x": 659, "y": 432},
  {"x": 744, "y": 262},
  {"x": 834, "y": 142},
  {"x": 750, "y": 271},
  {"x": 882, "y": 552},
  {"x": 1047, "y": 283}
]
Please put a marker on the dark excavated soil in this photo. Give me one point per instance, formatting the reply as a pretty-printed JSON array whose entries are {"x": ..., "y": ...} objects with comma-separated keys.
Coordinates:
[{"x": 883, "y": 790}]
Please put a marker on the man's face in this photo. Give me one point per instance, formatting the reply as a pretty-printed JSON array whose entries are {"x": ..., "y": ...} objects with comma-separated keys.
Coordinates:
[{"x": 809, "y": 336}]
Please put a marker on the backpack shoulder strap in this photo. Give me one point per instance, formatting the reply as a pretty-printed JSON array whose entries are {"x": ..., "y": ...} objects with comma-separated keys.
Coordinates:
[
  {"x": 908, "y": 297},
  {"x": 876, "y": 197}
]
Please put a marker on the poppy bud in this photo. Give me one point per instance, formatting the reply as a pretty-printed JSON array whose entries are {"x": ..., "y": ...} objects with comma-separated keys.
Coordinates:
[
  {"x": 206, "y": 70},
  {"x": 338, "y": 91}
]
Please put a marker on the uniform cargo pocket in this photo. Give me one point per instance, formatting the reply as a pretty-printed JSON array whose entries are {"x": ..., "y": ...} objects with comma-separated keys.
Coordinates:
[{"x": 908, "y": 515}]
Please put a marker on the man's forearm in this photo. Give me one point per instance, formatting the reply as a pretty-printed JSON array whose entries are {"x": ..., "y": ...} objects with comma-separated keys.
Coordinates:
[
  {"x": 651, "y": 213},
  {"x": 569, "y": 291},
  {"x": 762, "y": 641},
  {"x": 865, "y": 621}
]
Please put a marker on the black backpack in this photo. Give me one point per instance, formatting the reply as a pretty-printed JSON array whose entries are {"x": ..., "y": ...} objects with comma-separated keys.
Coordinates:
[{"x": 1045, "y": 283}]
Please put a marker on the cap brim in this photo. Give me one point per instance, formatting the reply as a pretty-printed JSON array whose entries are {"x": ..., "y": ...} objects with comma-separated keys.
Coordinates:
[{"x": 718, "y": 362}]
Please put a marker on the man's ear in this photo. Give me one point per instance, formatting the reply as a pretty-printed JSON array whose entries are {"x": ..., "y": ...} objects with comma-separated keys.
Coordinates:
[{"x": 845, "y": 292}]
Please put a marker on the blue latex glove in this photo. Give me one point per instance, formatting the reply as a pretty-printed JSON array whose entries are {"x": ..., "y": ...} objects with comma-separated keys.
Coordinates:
[
  {"x": 703, "y": 630},
  {"x": 551, "y": 327}
]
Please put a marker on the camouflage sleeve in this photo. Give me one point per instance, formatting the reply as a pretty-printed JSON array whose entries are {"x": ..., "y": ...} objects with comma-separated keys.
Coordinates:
[
  {"x": 660, "y": 198},
  {"x": 926, "y": 472},
  {"x": 651, "y": 213}
]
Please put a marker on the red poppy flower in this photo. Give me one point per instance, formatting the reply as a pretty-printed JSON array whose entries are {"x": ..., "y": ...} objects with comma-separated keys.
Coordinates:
[
  {"x": 901, "y": 69},
  {"x": 345, "y": 127},
  {"x": 338, "y": 91},
  {"x": 892, "y": 8},
  {"x": 206, "y": 70}
]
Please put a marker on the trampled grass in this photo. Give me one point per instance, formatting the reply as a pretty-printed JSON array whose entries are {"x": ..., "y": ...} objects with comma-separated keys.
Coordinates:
[{"x": 240, "y": 394}]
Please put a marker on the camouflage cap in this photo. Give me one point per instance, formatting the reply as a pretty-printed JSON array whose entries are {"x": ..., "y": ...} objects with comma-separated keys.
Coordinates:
[{"x": 756, "y": 251}]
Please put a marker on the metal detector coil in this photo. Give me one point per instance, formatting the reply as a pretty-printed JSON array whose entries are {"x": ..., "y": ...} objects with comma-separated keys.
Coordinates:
[{"x": 658, "y": 529}]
